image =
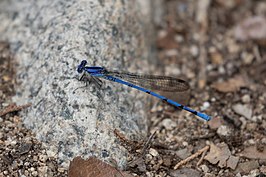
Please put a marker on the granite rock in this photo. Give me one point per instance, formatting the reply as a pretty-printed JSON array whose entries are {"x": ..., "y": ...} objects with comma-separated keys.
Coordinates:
[{"x": 49, "y": 38}]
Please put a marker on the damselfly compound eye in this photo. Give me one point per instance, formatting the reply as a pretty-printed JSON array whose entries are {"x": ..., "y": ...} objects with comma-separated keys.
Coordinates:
[{"x": 81, "y": 66}]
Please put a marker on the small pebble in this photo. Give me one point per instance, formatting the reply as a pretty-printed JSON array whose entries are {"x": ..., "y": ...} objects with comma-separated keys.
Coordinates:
[
  {"x": 14, "y": 165},
  {"x": 42, "y": 170},
  {"x": 148, "y": 157},
  {"x": 263, "y": 140},
  {"x": 233, "y": 47},
  {"x": 153, "y": 162},
  {"x": 205, "y": 106},
  {"x": 149, "y": 174},
  {"x": 162, "y": 33},
  {"x": 12, "y": 143},
  {"x": 221, "y": 70},
  {"x": 213, "y": 99},
  {"x": 61, "y": 170},
  {"x": 34, "y": 173},
  {"x": 256, "y": 118},
  {"x": 20, "y": 163},
  {"x": 224, "y": 130},
  {"x": 204, "y": 168},
  {"x": 245, "y": 99},
  {"x": 43, "y": 158},
  {"x": 194, "y": 50},
  {"x": 171, "y": 53},
  {"x": 179, "y": 38},
  {"x": 167, "y": 161},
  {"x": 27, "y": 173},
  {"x": 5, "y": 104},
  {"x": 216, "y": 58},
  {"x": 51, "y": 153},
  {"x": 35, "y": 158},
  {"x": 251, "y": 126},
  {"x": 215, "y": 122},
  {"x": 209, "y": 67},
  {"x": 251, "y": 141},
  {"x": 26, "y": 164},
  {"x": 169, "y": 124},
  {"x": 185, "y": 143},
  {"x": 212, "y": 49},
  {"x": 153, "y": 152},
  {"x": 263, "y": 169},
  {"x": 255, "y": 172}
]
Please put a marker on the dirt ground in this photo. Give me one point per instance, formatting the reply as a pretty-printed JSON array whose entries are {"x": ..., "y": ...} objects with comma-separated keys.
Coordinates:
[{"x": 219, "y": 47}]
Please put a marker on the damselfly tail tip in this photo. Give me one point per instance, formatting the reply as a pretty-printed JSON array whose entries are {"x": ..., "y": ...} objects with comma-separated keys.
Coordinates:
[{"x": 204, "y": 116}]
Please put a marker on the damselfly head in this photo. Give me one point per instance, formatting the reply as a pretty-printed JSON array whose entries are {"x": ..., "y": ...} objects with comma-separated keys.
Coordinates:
[{"x": 81, "y": 66}]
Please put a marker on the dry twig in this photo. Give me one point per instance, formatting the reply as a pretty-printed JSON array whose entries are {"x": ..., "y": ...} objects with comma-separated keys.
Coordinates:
[
  {"x": 205, "y": 149},
  {"x": 12, "y": 108},
  {"x": 257, "y": 53},
  {"x": 148, "y": 142},
  {"x": 203, "y": 155}
]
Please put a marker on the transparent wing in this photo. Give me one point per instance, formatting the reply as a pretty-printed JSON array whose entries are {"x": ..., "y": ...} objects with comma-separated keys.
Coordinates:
[{"x": 152, "y": 82}]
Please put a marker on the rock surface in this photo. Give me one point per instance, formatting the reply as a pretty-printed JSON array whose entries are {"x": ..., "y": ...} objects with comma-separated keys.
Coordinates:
[{"x": 49, "y": 38}]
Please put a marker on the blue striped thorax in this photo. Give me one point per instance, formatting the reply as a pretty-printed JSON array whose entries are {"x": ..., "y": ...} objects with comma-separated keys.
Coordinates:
[{"x": 92, "y": 70}]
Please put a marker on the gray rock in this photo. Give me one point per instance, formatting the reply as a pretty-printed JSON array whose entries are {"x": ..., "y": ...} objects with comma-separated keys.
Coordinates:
[
  {"x": 246, "y": 167},
  {"x": 243, "y": 110},
  {"x": 49, "y": 38},
  {"x": 185, "y": 172},
  {"x": 183, "y": 153}
]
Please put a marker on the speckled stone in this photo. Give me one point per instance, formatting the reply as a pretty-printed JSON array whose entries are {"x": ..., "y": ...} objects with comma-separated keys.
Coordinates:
[{"x": 49, "y": 38}]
